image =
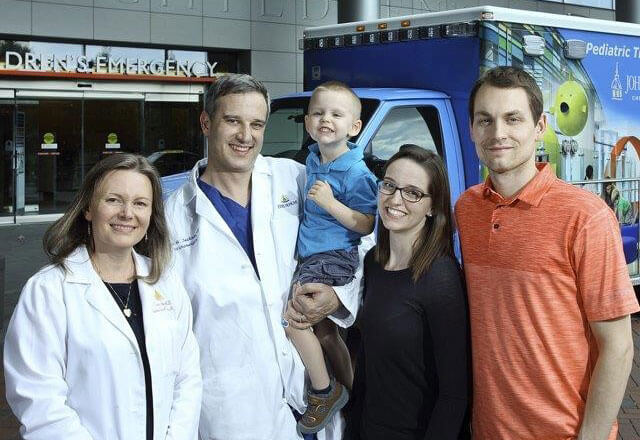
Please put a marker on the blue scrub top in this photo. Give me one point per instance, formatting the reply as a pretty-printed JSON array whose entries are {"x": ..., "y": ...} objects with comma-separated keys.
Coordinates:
[{"x": 236, "y": 216}]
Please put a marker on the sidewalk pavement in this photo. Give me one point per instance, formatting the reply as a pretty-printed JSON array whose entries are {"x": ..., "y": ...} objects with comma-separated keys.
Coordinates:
[
  {"x": 628, "y": 418},
  {"x": 21, "y": 245}
]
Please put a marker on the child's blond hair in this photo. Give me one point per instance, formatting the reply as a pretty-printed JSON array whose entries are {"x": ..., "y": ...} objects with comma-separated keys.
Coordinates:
[{"x": 338, "y": 86}]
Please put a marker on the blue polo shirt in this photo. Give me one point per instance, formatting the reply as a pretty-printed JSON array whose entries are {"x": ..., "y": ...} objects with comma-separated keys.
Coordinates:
[{"x": 353, "y": 185}]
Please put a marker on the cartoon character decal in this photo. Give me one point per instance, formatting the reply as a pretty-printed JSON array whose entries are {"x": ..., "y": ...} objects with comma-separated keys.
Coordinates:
[{"x": 571, "y": 108}]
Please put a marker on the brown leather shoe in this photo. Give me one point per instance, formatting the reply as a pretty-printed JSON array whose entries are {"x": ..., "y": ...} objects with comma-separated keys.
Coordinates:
[{"x": 320, "y": 408}]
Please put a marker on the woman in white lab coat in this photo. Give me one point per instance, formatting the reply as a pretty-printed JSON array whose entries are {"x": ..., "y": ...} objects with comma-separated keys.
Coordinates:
[{"x": 100, "y": 344}]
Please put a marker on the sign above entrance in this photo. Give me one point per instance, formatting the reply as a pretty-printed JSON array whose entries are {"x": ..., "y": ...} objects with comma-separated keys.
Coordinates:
[
  {"x": 86, "y": 61},
  {"x": 107, "y": 64}
]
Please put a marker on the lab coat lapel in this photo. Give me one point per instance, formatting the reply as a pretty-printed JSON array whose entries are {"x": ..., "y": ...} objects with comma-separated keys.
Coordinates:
[
  {"x": 261, "y": 212},
  {"x": 206, "y": 210},
  {"x": 81, "y": 272},
  {"x": 147, "y": 300},
  {"x": 146, "y": 291},
  {"x": 203, "y": 206}
]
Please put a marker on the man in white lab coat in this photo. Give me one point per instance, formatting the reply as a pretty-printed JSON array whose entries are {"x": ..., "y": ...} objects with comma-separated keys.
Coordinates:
[{"x": 234, "y": 229}]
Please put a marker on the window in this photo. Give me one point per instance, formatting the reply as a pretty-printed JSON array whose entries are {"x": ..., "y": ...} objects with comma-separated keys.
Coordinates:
[
  {"x": 285, "y": 133},
  {"x": 603, "y": 4},
  {"x": 56, "y": 51},
  {"x": 172, "y": 126},
  {"x": 190, "y": 56},
  {"x": 125, "y": 52},
  {"x": 404, "y": 125},
  {"x": 407, "y": 125},
  {"x": 170, "y": 162}
]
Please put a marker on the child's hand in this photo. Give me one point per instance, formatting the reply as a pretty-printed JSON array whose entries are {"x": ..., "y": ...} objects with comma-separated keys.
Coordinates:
[
  {"x": 321, "y": 193},
  {"x": 292, "y": 317},
  {"x": 291, "y": 314}
]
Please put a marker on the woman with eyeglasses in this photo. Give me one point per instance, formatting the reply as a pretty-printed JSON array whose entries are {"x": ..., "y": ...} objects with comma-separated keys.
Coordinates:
[{"x": 412, "y": 375}]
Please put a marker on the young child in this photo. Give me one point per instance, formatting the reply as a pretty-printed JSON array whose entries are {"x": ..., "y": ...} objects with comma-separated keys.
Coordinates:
[{"x": 339, "y": 208}]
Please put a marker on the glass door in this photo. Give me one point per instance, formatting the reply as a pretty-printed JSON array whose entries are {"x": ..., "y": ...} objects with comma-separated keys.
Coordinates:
[
  {"x": 173, "y": 140},
  {"x": 112, "y": 123},
  {"x": 7, "y": 143},
  {"x": 51, "y": 128},
  {"x": 56, "y": 136}
]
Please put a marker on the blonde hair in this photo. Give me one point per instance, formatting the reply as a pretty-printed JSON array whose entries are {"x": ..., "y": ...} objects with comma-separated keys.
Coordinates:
[
  {"x": 338, "y": 86},
  {"x": 72, "y": 229}
]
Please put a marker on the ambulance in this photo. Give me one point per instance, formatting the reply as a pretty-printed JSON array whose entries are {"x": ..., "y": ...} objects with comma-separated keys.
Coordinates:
[{"x": 414, "y": 74}]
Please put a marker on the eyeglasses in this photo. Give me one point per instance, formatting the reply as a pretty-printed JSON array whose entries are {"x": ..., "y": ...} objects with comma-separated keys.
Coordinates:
[{"x": 407, "y": 193}]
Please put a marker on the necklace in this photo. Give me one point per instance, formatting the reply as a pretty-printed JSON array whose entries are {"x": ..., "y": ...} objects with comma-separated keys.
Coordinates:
[{"x": 125, "y": 306}]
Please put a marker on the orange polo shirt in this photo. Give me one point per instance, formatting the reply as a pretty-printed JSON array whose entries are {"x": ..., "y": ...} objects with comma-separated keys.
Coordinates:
[{"x": 539, "y": 267}]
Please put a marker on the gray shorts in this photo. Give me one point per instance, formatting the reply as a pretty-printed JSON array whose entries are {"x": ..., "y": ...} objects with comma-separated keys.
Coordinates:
[{"x": 333, "y": 268}]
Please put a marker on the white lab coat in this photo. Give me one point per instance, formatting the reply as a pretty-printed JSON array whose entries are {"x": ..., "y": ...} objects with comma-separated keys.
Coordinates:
[
  {"x": 72, "y": 364},
  {"x": 251, "y": 372}
]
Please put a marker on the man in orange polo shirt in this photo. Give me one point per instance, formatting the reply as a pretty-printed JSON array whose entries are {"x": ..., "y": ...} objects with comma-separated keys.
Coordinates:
[{"x": 549, "y": 292}]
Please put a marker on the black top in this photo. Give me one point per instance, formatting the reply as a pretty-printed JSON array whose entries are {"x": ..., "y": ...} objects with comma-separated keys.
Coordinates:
[
  {"x": 413, "y": 373},
  {"x": 137, "y": 325}
]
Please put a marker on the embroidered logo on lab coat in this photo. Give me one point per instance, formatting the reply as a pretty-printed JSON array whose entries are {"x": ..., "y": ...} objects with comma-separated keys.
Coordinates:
[
  {"x": 161, "y": 304},
  {"x": 285, "y": 202},
  {"x": 185, "y": 242}
]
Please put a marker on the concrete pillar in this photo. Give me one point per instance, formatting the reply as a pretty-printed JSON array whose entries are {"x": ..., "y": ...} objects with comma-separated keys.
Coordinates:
[
  {"x": 628, "y": 10},
  {"x": 358, "y": 10}
]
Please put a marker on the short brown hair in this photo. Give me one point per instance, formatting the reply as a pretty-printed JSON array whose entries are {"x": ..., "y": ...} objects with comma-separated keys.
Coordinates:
[
  {"x": 233, "y": 84},
  {"x": 508, "y": 77},
  {"x": 71, "y": 230},
  {"x": 436, "y": 238},
  {"x": 338, "y": 86}
]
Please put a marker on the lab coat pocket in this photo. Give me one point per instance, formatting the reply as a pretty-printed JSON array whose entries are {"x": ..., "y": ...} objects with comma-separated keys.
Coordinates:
[
  {"x": 228, "y": 399},
  {"x": 169, "y": 346}
]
